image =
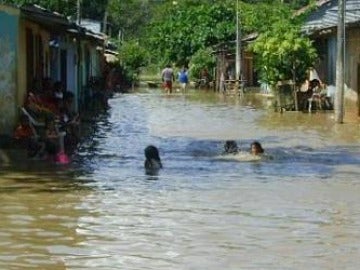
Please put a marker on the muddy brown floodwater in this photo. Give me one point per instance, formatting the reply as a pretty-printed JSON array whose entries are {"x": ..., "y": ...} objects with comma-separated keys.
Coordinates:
[{"x": 297, "y": 209}]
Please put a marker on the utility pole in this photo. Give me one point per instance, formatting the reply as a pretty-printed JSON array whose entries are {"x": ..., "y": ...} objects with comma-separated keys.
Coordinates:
[
  {"x": 238, "y": 52},
  {"x": 78, "y": 12},
  {"x": 105, "y": 22},
  {"x": 339, "y": 96}
]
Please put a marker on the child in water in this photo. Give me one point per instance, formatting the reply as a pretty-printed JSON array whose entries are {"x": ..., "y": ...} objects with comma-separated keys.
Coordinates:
[
  {"x": 232, "y": 152},
  {"x": 230, "y": 147},
  {"x": 153, "y": 161},
  {"x": 256, "y": 148}
]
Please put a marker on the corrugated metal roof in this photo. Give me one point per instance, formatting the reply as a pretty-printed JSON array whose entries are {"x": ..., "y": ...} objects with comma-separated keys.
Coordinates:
[
  {"x": 43, "y": 15},
  {"x": 326, "y": 15},
  {"x": 54, "y": 21},
  {"x": 93, "y": 29},
  {"x": 92, "y": 25}
]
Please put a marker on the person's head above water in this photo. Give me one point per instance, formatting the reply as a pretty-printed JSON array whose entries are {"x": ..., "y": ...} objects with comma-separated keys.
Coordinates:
[
  {"x": 230, "y": 147},
  {"x": 152, "y": 156},
  {"x": 256, "y": 148}
]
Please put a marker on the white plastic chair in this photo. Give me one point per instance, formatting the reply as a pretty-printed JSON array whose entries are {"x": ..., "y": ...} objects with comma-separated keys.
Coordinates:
[{"x": 32, "y": 119}]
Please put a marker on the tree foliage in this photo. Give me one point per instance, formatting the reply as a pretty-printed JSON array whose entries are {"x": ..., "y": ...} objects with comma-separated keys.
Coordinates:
[
  {"x": 282, "y": 53},
  {"x": 179, "y": 31},
  {"x": 133, "y": 56},
  {"x": 202, "y": 59},
  {"x": 295, "y": 4},
  {"x": 93, "y": 9},
  {"x": 67, "y": 8},
  {"x": 129, "y": 17}
]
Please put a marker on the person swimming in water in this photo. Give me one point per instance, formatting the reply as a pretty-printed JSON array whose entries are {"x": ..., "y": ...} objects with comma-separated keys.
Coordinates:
[
  {"x": 230, "y": 147},
  {"x": 256, "y": 148},
  {"x": 153, "y": 161}
]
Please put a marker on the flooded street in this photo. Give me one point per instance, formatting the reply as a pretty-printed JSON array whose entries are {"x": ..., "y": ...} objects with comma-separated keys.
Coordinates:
[{"x": 297, "y": 209}]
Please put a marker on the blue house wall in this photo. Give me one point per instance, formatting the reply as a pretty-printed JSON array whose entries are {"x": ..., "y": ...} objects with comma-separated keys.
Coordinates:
[{"x": 9, "y": 25}]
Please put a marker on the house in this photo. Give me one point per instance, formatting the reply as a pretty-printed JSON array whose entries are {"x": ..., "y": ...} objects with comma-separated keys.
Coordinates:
[
  {"x": 10, "y": 76},
  {"x": 225, "y": 62},
  {"x": 36, "y": 44},
  {"x": 94, "y": 46},
  {"x": 89, "y": 55},
  {"x": 26, "y": 55},
  {"x": 321, "y": 26}
]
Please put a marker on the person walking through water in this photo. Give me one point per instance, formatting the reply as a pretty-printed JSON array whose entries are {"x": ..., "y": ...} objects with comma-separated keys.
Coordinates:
[
  {"x": 183, "y": 79},
  {"x": 167, "y": 76}
]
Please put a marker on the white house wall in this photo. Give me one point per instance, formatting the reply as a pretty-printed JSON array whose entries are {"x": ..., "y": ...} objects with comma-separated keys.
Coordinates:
[{"x": 69, "y": 44}]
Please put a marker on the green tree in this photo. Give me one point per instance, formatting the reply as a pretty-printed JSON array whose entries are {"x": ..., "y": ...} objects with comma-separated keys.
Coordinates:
[
  {"x": 129, "y": 17},
  {"x": 282, "y": 53},
  {"x": 133, "y": 56},
  {"x": 67, "y": 8},
  {"x": 93, "y": 9},
  {"x": 179, "y": 31},
  {"x": 293, "y": 3},
  {"x": 202, "y": 59}
]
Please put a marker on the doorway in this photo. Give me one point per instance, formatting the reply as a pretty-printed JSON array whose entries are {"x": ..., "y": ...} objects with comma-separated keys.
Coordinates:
[{"x": 63, "y": 67}]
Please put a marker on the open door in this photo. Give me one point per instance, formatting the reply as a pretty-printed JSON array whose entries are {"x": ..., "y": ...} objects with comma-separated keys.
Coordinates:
[{"x": 63, "y": 67}]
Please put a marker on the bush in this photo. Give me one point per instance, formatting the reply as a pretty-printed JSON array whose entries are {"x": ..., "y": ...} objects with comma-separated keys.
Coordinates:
[
  {"x": 202, "y": 59},
  {"x": 132, "y": 58}
]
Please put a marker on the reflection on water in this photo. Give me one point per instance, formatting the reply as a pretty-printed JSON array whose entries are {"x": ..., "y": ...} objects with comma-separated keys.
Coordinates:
[{"x": 298, "y": 209}]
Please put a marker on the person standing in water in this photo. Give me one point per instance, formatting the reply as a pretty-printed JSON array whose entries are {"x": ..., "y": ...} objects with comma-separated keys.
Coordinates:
[
  {"x": 183, "y": 79},
  {"x": 167, "y": 77}
]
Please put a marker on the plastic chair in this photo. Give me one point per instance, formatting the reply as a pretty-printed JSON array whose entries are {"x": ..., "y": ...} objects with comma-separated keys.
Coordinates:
[{"x": 32, "y": 119}]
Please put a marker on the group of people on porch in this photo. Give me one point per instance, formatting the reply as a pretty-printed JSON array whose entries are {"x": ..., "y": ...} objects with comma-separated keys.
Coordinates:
[
  {"x": 47, "y": 113},
  {"x": 315, "y": 94}
]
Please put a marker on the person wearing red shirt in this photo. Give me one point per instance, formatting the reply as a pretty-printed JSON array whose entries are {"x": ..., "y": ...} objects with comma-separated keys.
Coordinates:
[{"x": 26, "y": 136}]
